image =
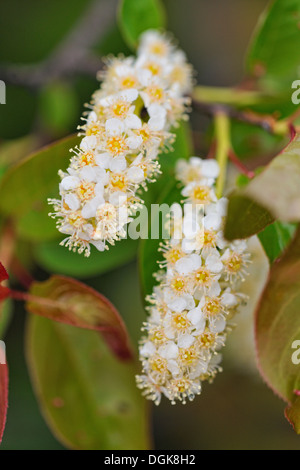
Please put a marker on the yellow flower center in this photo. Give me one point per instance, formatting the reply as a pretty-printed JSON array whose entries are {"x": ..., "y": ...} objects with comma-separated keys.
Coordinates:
[
  {"x": 86, "y": 191},
  {"x": 212, "y": 306},
  {"x": 158, "y": 48},
  {"x": 93, "y": 129},
  {"x": 201, "y": 195},
  {"x": 157, "y": 336},
  {"x": 188, "y": 356},
  {"x": 75, "y": 219},
  {"x": 207, "y": 339},
  {"x": 118, "y": 182},
  {"x": 154, "y": 68},
  {"x": 107, "y": 212},
  {"x": 234, "y": 263},
  {"x": 178, "y": 284},
  {"x": 156, "y": 93},
  {"x": 181, "y": 385},
  {"x": 158, "y": 364},
  {"x": 128, "y": 82},
  {"x": 178, "y": 74},
  {"x": 173, "y": 255},
  {"x": 144, "y": 133},
  {"x": 116, "y": 145},
  {"x": 120, "y": 108},
  {"x": 203, "y": 277},
  {"x": 87, "y": 158},
  {"x": 180, "y": 321}
]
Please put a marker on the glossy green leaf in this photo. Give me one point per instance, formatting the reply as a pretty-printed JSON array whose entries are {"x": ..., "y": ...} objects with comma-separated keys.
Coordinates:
[
  {"x": 88, "y": 398},
  {"x": 245, "y": 218},
  {"x": 26, "y": 186},
  {"x": 57, "y": 259},
  {"x": 273, "y": 193},
  {"x": 136, "y": 16},
  {"x": 69, "y": 301},
  {"x": 277, "y": 325},
  {"x": 274, "y": 53},
  {"x": 275, "y": 238}
]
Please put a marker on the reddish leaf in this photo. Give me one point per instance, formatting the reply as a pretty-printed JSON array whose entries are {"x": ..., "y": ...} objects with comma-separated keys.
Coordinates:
[
  {"x": 278, "y": 327},
  {"x": 292, "y": 414},
  {"x": 3, "y": 273},
  {"x": 3, "y": 397},
  {"x": 68, "y": 301},
  {"x": 4, "y": 291}
]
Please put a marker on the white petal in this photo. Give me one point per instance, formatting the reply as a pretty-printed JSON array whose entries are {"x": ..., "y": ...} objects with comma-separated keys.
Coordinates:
[
  {"x": 117, "y": 198},
  {"x": 147, "y": 349},
  {"x": 135, "y": 174},
  {"x": 88, "y": 173},
  {"x": 90, "y": 208},
  {"x": 118, "y": 164},
  {"x": 98, "y": 244},
  {"x": 72, "y": 201},
  {"x": 185, "y": 341},
  {"x": 217, "y": 325},
  {"x": 69, "y": 182},
  {"x": 210, "y": 168},
  {"x": 229, "y": 300},
  {"x": 114, "y": 126},
  {"x": 195, "y": 315},
  {"x": 103, "y": 160},
  {"x": 129, "y": 95},
  {"x": 178, "y": 304},
  {"x": 88, "y": 143},
  {"x": 133, "y": 122},
  {"x": 134, "y": 142},
  {"x": 169, "y": 350}
]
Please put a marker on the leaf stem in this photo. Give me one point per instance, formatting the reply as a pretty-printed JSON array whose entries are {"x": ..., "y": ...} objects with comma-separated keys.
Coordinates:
[
  {"x": 230, "y": 96},
  {"x": 222, "y": 131}
]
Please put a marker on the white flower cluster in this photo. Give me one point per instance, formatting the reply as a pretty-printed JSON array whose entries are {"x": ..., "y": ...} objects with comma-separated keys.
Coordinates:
[
  {"x": 197, "y": 295},
  {"x": 128, "y": 124}
]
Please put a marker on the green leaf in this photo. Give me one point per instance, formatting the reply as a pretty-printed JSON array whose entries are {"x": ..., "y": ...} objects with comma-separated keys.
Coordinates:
[
  {"x": 68, "y": 301},
  {"x": 5, "y": 316},
  {"x": 273, "y": 193},
  {"x": 245, "y": 218},
  {"x": 59, "y": 107},
  {"x": 277, "y": 325},
  {"x": 275, "y": 238},
  {"x": 57, "y": 259},
  {"x": 274, "y": 53},
  {"x": 88, "y": 398},
  {"x": 26, "y": 186},
  {"x": 136, "y": 16}
]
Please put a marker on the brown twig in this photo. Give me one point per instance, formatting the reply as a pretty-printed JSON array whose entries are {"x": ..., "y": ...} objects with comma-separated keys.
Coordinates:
[{"x": 73, "y": 54}]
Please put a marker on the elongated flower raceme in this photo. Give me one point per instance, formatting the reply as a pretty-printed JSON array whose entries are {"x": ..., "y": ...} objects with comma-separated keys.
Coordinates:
[
  {"x": 128, "y": 124},
  {"x": 198, "y": 292}
]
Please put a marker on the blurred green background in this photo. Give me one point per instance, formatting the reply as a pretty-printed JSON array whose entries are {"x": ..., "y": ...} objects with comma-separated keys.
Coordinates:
[{"x": 238, "y": 411}]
